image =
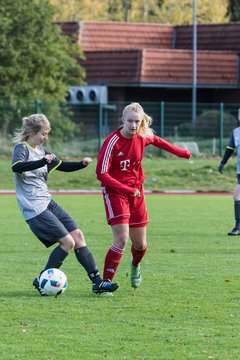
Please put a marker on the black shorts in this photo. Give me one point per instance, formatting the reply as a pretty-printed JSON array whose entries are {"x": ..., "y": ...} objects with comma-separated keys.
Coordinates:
[{"x": 52, "y": 224}]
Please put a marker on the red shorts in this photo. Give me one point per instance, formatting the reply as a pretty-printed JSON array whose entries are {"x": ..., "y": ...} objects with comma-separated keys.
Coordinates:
[{"x": 122, "y": 208}]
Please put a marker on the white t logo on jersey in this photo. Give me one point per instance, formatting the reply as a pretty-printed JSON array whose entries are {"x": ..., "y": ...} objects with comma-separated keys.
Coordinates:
[{"x": 124, "y": 164}]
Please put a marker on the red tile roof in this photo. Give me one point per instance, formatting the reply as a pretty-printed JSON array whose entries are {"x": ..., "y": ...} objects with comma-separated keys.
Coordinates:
[
  {"x": 113, "y": 66},
  {"x": 116, "y": 35},
  {"x": 175, "y": 66},
  {"x": 146, "y": 53},
  {"x": 210, "y": 37},
  {"x": 160, "y": 66}
]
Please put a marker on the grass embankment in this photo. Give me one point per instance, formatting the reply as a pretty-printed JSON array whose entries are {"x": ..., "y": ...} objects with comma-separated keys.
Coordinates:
[{"x": 160, "y": 174}]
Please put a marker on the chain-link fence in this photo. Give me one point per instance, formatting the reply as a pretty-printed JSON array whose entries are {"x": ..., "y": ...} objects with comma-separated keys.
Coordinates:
[{"x": 80, "y": 129}]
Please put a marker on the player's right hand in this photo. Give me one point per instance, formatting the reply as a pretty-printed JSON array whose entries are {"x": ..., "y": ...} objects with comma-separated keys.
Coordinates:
[
  {"x": 220, "y": 168},
  {"x": 50, "y": 157}
]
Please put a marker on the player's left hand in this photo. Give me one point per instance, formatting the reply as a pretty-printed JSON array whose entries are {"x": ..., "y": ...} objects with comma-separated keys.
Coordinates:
[
  {"x": 189, "y": 154},
  {"x": 220, "y": 168},
  {"x": 86, "y": 161}
]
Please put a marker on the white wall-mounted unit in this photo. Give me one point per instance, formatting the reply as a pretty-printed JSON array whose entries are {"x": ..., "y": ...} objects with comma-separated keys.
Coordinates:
[{"x": 88, "y": 94}]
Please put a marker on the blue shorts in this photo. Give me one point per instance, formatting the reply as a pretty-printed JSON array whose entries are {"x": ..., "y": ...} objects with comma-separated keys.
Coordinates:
[{"x": 52, "y": 224}]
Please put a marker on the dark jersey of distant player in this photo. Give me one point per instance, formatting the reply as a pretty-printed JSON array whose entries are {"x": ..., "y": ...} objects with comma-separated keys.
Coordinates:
[{"x": 234, "y": 144}]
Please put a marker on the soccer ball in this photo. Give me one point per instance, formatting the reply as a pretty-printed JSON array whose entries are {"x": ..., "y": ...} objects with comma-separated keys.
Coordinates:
[{"x": 53, "y": 282}]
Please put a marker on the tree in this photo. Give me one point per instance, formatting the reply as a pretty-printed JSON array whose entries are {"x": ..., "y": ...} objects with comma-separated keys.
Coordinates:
[
  {"x": 36, "y": 61},
  {"x": 233, "y": 10},
  {"x": 176, "y": 12},
  {"x": 107, "y": 10},
  {"x": 77, "y": 10},
  {"x": 181, "y": 12}
]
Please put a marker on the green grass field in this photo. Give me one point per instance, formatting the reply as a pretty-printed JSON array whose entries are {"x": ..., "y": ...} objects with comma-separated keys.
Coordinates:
[{"x": 186, "y": 308}]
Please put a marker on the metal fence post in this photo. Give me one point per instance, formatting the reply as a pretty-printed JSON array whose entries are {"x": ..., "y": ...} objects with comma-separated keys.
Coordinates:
[
  {"x": 161, "y": 129},
  {"x": 100, "y": 126},
  {"x": 38, "y": 106},
  {"x": 221, "y": 129}
]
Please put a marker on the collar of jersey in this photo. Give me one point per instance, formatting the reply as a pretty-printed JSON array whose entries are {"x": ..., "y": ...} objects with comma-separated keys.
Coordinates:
[{"x": 29, "y": 146}]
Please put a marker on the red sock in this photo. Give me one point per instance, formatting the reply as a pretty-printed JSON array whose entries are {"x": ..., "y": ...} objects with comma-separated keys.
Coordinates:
[
  {"x": 112, "y": 261},
  {"x": 137, "y": 255}
]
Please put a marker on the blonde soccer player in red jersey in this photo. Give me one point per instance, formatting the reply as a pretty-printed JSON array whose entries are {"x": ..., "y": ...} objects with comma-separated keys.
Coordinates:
[{"x": 120, "y": 172}]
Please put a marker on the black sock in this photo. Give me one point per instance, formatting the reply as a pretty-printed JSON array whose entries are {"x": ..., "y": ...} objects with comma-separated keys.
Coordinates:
[
  {"x": 237, "y": 212},
  {"x": 86, "y": 259},
  {"x": 56, "y": 258}
]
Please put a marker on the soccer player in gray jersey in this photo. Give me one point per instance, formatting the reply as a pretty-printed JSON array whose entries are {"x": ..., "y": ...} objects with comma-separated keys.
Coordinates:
[
  {"x": 31, "y": 164},
  {"x": 234, "y": 143}
]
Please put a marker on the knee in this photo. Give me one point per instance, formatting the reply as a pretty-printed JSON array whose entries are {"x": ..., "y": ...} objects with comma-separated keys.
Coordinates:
[
  {"x": 68, "y": 243},
  {"x": 139, "y": 245},
  {"x": 142, "y": 246},
  {"x": 79, "y": 240},
  {"x": 121, "y": 241},
  {"x": 120, "y": 235}
]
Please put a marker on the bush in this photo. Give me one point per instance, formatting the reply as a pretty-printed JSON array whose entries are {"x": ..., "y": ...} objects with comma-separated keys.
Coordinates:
[
  {"x": 208, "y": 124},
  {"x": 185, "y": 129}
]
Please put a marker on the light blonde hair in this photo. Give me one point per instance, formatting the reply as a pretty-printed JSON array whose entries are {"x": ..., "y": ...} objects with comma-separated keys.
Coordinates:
[
  {"x": 144, "y": 129},
  {"x": 31, "y": 125}
]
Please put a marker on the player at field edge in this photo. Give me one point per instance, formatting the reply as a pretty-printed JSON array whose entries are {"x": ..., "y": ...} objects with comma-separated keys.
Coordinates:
[
  {"x": 119, "y": 169},
  {"x": 51, "y": 224},
  {"x": 234, "y": 143}
]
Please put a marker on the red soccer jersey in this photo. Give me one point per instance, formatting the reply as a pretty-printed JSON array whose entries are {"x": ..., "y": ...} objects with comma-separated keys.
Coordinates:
[{"x": 120, "y": 160}]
